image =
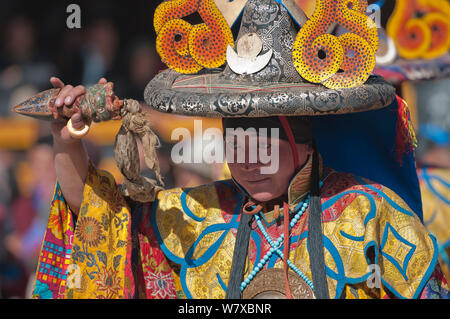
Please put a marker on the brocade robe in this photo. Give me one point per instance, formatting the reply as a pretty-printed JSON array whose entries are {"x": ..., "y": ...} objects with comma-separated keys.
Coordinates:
[{"x": 182, "y": 244}]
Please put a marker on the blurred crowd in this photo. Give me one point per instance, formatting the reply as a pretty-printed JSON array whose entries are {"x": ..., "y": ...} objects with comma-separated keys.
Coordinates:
[{"x": 115, "y": 41}]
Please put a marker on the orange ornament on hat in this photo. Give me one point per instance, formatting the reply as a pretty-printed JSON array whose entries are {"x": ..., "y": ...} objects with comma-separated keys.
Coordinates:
[{"x": 188, "y": 48}]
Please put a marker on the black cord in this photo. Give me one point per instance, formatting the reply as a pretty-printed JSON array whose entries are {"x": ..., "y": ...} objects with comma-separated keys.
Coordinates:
[
  {"x": 315, "y": 235},
  {"x": 239, "y": 256}
]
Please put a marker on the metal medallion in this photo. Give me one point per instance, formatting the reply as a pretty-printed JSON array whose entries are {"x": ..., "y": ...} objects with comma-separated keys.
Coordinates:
[{"x": 271, "y": 284}]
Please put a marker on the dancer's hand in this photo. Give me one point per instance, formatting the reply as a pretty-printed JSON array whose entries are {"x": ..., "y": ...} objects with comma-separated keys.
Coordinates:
[{"x": 67, "y": 96}]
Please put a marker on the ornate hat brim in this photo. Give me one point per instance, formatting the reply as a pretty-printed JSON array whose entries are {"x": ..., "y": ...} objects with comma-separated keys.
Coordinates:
[
  {"x": 276, "y": 89},
  {"x": 212, "y": 95}
]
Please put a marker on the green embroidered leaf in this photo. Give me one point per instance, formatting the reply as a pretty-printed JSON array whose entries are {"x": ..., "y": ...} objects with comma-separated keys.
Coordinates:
[
  {"x": 105, "y": 222},
  {"x": 121, "y": 243},
  {"x": 84, "y": 210},
  {"x": 102, "y": 257},
  {"x": 116, "y": 261},
  {"x": 77, "y": 254}
]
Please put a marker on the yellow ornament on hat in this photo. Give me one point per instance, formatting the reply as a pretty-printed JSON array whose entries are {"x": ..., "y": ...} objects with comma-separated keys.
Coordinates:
[
  {"x": 188, "y": 48},
  {"x": 337, "y": 62}
]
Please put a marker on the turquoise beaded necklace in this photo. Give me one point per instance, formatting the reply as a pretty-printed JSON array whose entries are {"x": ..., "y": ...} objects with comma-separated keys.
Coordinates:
[{"x": 275, "y": 246}]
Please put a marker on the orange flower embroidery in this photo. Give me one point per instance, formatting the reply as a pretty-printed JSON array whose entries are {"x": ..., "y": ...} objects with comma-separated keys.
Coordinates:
[
  {"x": 108, "y": 283},
  {"x": 89, "y": 231}
]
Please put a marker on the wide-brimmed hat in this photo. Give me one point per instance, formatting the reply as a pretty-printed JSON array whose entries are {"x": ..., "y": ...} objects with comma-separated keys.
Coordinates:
[
  {"x": 276, "y": 89},
  {"x": 360, "y": 127}
]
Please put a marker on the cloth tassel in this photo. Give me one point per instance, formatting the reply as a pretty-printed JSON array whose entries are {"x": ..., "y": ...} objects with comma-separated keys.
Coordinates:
[
  {"x": 126, "y": 154},
  {"x": 315, "y": 235},
  {"x": 239, "y": 256}
]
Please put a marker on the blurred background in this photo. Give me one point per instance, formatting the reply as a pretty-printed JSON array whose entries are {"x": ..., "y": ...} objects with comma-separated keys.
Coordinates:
[{"x": 117, "y": 41}]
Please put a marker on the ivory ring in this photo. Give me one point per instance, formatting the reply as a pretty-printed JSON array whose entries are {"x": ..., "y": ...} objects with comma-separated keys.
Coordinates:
[{"x": 77, "y": 133}]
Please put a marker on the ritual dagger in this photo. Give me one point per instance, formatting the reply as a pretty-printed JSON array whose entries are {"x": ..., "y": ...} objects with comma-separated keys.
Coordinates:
[{"x": 99, "y": 103}]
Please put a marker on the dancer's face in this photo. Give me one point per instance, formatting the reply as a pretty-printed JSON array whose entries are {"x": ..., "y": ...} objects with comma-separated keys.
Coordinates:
[{"x": 265, "y": 181}]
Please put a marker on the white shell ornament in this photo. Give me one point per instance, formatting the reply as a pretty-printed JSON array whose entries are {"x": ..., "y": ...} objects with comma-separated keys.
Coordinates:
[{"x": 247, "y": 59}]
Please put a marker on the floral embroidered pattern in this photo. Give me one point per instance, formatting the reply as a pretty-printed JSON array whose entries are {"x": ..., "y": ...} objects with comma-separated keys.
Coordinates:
[
  {"x": 108, "y": 283},
  {"x": 89, "y": 231},
  {"x": 158, "y": 275},
  {"x": 160, "y": 285}
]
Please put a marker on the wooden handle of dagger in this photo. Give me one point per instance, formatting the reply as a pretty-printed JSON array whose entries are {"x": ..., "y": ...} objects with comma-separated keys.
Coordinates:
[{"x": 98, "y": 104}]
